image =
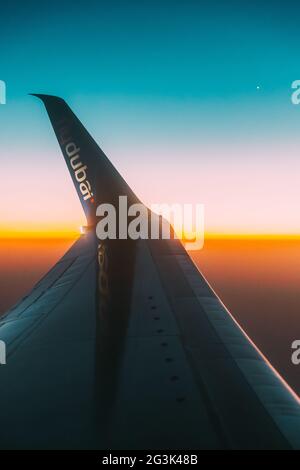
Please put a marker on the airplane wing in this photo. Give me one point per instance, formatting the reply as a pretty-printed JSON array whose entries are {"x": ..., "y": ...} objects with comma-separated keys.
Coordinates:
[{"x": 124, "y": 345}]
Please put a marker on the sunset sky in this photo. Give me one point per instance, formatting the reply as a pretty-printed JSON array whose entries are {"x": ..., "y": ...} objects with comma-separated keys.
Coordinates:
[{"x": 190, "y": 106}]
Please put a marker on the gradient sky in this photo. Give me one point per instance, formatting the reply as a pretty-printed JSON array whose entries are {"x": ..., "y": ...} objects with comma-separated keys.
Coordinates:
[{"x": 169, "y": 90}]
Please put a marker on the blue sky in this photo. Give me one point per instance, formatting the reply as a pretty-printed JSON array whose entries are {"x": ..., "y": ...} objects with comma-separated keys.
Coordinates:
[{"x": 169, "y": 89}]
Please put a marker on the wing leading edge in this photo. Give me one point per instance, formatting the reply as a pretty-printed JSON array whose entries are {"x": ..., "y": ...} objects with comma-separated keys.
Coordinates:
[{"x": 124, "y": 345}]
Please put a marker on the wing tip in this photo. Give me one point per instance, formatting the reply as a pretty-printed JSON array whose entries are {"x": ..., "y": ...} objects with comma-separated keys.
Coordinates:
[{"x": 47, "y": 98}]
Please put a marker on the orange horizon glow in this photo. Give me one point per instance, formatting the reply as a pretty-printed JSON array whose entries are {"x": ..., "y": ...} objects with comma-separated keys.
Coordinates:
[
  {"x": 241, "y": 198},
  {"x": 72, "y": 232},
  {"x": 48, "y": 233}
]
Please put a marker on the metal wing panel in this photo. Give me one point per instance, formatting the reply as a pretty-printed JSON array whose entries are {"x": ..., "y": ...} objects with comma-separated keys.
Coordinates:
[
  {"x": 47, "y": 385},
  {"x": 227, "y": 360}
]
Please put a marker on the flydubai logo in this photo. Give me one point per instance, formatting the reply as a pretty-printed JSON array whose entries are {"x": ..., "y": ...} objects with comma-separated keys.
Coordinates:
[{"x": 73, "y": 152}]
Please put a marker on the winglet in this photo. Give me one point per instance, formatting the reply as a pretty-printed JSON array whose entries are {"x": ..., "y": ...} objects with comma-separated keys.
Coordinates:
[{"x": 95, "y": 178}]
